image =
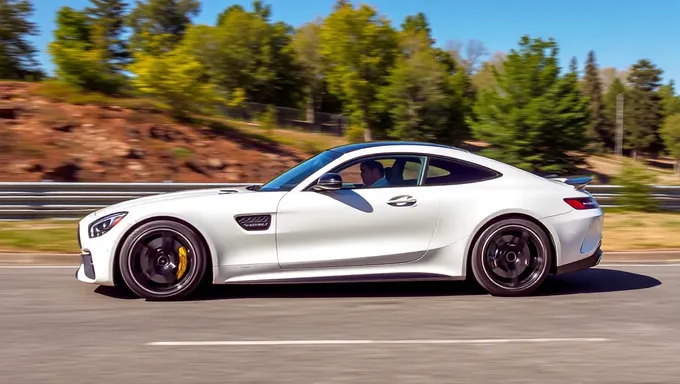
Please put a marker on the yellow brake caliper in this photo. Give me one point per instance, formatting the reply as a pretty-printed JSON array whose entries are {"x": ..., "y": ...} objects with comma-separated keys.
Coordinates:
[{"x": 182, "y": 262}]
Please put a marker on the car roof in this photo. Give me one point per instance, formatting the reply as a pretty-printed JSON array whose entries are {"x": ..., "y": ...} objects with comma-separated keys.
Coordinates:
[{"x": 347, "y": 148}]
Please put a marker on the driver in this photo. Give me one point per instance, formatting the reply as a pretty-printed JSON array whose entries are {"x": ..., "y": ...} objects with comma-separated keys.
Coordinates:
[{"x": 373, "y": 174}]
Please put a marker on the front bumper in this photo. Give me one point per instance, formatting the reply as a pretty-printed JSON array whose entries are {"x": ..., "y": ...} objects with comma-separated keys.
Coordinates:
[
  {"x": 588, "y": 262},
  {"x": 97, "y": 255}
]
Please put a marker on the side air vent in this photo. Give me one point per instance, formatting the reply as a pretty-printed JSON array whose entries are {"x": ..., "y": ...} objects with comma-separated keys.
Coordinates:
[{"x": 254, "y": 223}]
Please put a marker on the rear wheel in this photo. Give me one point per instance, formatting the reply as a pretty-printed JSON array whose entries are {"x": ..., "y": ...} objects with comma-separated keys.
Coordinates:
[
  {"x": 163, "y": 260},
  {"x": 511, "y": 258}
]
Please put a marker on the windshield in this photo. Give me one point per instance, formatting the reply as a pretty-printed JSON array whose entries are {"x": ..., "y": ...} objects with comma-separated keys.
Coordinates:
[{"x": 294, "y": 176}]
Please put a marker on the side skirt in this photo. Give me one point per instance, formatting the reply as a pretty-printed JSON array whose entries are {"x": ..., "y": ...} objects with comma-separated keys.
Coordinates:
[{"x": 368, "y": 278}]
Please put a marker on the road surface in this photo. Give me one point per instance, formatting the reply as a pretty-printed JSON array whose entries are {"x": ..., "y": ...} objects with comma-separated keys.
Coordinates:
[{"x": 612, "y": 324}]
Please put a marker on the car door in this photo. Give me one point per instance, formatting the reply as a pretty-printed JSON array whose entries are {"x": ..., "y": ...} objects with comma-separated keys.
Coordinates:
[{"x": 359, "y": 226}]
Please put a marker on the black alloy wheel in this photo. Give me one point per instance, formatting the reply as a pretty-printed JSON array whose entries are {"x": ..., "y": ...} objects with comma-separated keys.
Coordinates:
[
  {"x": 163, "y": 260},
  {"x": 512, "y": 257}
]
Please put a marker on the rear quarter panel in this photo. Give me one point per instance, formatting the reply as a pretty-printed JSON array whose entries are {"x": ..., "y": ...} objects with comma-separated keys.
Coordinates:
[{"x": 467, "y": 208}]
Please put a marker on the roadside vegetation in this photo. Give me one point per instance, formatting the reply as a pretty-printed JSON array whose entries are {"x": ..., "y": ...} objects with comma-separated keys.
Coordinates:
[
  {"x": 390, "y": 79},
  {"x": 623, "y": 231}
]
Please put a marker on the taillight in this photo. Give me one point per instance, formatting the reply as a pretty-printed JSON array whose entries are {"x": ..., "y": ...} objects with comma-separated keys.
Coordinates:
[{"x": 582, "y": 202}]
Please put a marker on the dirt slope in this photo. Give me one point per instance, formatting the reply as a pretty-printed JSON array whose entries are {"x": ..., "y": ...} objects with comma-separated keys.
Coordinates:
[{"x": 46, "y": 140}]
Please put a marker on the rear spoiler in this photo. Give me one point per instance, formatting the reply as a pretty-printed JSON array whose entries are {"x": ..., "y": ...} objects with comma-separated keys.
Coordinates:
[{"x": 579, "y": 183}]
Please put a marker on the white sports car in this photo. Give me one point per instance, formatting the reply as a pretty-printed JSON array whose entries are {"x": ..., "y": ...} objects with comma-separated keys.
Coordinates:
[{"x": 376, "y": 211}]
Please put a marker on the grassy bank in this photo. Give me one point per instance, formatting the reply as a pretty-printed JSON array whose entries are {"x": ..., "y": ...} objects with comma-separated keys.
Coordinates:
[{"x": 623, "y": 231}]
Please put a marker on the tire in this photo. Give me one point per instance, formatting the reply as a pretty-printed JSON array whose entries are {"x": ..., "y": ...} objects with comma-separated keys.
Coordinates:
[
  {"x": 499, "y": 254},
  {"x": 170, "y": 281}
]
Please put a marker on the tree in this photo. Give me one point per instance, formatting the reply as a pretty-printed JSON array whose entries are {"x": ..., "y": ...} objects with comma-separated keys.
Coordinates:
[
  {"x": 599, "y": 133},
  {"x": 176, "y": 78},
  {"x": 17, "y": 55},
  {"x": 670, "y": 102},
  {"x": 246, "y": 54},
  {"x": 533, "y": 118},
  {"x": 107, "y": 22},
  {"x": 423, "y": 100},
  {"x": 644, "y": 111},
  {"x": 79, "y": 60},
  {"x": 306, "y": 45},
  {"x": 159, "y": 25},
  {"x": 670, "y": 132},
  {"x": 360, "y": 48}
]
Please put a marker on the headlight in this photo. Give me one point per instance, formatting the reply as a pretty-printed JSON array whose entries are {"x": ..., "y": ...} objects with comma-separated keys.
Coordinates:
[{"x": 104, "y": 224}]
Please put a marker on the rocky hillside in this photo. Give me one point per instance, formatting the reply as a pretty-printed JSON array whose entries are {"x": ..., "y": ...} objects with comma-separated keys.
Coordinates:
[{"x": 41, "y": 139}]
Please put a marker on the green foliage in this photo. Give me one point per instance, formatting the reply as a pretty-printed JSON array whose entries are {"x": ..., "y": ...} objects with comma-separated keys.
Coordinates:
[
  {"x": 80, "y": 61},
  {"x": 175, "y": 78},
  {"x": 599, "y": 129},
  {"x": 159, "y": 25},
  {"x": 360, "y": 48},
  {"x": 670, "y": 133},
  {"x": 636, "y": 193},
  {"x": 533, "y": 118},
  {"x": 644, "y": 111},
  {"x": 17, "y": 54},
  {"x": 68, "y": 93},
  {"x": 354, "y": 134},
  {"x": 305, "y": 46},
  {"x": 268, "y": 118},
  {"x": 107, "y": 22},
  {"x": 670, "y": 102},
  {"x": 391, "y": 83},
  {"x": 423, "y": 100},
  {"x": 247, "y": 52}
]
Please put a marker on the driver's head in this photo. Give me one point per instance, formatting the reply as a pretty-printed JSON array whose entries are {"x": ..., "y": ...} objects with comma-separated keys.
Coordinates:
[{"x": 371, "y": 171}]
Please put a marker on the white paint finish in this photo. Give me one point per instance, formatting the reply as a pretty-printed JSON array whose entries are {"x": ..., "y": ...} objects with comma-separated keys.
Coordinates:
[
  {"x": 573, "y": 231},
  {"x": 354, "y": 227},
  {"x": 355, "y": 342},
  {"x": 333, "y": 232}
]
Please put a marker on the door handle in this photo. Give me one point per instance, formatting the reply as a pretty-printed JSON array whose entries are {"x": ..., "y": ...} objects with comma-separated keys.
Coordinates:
[{"x": 402, "y": 201}]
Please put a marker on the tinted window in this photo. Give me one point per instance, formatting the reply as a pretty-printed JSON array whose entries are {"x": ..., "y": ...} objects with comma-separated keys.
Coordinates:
[
  {"x": 442, "y": 172},
  {"x": 291, "y": 178},
  {"x": 395, "y": 170}
]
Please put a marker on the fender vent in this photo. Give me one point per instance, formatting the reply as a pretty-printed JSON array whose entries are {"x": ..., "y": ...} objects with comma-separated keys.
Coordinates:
[{"x": 254, "y": 223}]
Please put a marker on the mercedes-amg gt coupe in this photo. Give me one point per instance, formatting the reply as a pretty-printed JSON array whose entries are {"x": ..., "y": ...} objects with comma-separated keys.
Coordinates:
[{"x": 374, "y": 211}]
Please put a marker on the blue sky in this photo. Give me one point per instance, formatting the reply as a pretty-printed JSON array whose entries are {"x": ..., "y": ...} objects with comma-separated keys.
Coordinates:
[{"x": 619, "y": 31}]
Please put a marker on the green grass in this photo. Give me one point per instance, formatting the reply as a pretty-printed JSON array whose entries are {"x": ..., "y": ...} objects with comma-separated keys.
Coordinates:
[
  {"x": 39, "y": 236},
  {"x": 66, "y": 93},
  {"x": 623, "y": 231}
]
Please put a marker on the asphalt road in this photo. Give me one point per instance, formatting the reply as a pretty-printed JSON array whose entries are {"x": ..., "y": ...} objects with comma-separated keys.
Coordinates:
[{"x": 612, "y": 325}]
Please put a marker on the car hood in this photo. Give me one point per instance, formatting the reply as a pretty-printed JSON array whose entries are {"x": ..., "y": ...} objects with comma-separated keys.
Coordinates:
[{"x": 168, "y": 196}]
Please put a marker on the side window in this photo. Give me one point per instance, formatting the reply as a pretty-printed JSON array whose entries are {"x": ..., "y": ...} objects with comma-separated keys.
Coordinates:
[
  {"x": 442, "y": 172},
  {"x": 382, "y": 171}
]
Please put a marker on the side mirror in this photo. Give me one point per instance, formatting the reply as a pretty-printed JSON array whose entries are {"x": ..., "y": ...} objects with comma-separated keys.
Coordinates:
[{"x": 328, "y": 182}]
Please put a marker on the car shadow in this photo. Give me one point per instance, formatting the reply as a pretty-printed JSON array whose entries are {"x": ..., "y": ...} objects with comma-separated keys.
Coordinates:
[
  {"x": 589, "y": 281},
  {"x": 596, "y": 280},
  {"x": 350, "y": 198}
]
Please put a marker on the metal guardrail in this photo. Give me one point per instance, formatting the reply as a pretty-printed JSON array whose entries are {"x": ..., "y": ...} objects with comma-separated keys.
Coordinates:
[{"x": 20, "y": 201}]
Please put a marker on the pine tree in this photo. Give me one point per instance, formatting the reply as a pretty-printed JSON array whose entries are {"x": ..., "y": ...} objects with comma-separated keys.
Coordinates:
[
  {"x": 159, "y": 25},
  {"x": 108, "y": 19},
  {"x": 533, "y": 118},
  {"x": 17, "y": 54},
  {"x": 644, "y": 111},
  {"x": 599, "y": 133}
]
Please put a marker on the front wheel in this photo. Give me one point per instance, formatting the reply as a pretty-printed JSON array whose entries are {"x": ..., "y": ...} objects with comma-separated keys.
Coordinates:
[
  {"x": 163, "y": 260},
  {"x": 511, "y": 257}
]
